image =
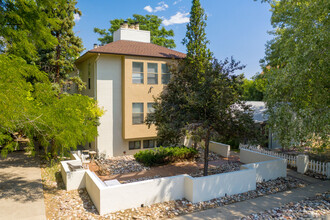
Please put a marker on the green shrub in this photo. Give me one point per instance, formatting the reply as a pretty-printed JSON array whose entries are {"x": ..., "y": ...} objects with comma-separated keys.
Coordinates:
[{"x": 165, "y": 155}]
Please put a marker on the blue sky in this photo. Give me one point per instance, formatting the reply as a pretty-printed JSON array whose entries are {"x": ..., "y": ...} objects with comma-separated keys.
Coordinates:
[{"x": 235, "y": 28}]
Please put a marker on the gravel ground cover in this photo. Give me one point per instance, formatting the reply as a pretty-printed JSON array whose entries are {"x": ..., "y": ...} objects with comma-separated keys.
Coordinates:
[
  {"x": 316, "y": 175},
  {"x": 310, "y": 208},
  {"x": 122, "y": 165},
  {"x": 76, "y": 204},
  {"x": 212, "y": 155},
  {"x": 223, "y": 168},
  {"x": 128, "y": 164}
]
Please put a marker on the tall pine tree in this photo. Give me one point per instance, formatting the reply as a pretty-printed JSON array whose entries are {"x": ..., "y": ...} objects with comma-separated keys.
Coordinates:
[
  {"x": 58, "y": 61},
  {"x": 198, "y": 55},
  {"x": 203, "y": 94}
]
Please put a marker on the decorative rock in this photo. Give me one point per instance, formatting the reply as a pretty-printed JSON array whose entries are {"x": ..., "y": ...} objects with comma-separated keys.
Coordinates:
[
  {"x": 122, "y": 165},
  {"x": 315, "y": 207},
  {"x": 212, "y": 155},
  {"x": 61, "y": 204}
]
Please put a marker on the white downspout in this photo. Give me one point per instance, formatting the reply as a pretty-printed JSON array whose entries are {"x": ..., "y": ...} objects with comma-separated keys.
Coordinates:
[{"x": 95, "y": 93}]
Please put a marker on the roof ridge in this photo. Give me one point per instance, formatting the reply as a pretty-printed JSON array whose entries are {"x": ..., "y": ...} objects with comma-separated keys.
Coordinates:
[{"x": 127, "y": 47}]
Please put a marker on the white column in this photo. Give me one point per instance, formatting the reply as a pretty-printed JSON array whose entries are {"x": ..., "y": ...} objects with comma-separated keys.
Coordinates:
[
  {"x": 328, "y": 170},
  {"x": 302, "y": 163}
]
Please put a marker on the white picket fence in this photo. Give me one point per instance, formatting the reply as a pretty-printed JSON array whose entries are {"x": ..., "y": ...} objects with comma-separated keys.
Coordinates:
[
  {"x": 317, "y": 167},
  {"x": 313, "y": 166}
]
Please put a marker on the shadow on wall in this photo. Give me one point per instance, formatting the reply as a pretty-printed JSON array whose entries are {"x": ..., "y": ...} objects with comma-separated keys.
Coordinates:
[{"x": 165, "y": 191}]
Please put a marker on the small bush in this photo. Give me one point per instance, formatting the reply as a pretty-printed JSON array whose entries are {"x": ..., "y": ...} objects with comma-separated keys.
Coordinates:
[{"x": 165, "y": 155}]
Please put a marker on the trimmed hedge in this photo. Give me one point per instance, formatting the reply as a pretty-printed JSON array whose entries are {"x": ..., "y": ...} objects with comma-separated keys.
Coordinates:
[{"x": 165, "y": 155}]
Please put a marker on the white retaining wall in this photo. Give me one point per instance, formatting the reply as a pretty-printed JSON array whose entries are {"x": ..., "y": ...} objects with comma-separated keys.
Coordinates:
[
  {"x": 267, "y": 167},
  {"x": 249, "y": 156},
  {"x": 214, "y": 186},
  {"x": 148, "y": 192},
  {"x": 219, "y": 148},
  {"x": 114, "y": 198},
  {"x": 124, "y": 196},
  {"x": 73, "y": 180},
  {"x": 94, "y": 188}
]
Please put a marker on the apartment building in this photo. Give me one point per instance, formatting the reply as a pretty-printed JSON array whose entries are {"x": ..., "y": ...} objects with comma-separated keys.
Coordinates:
[{"x": 124, "y": 76}]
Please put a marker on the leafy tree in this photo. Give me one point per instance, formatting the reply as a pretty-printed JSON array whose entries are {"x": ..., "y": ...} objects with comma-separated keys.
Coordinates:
[
  {"x": 210, "y": 106},
  {"x": 41, "y": 33},
  {"x": 24, "y": 28},
  {"x": 159, "y": 36},
  {"x": 253, "y": 90},
  {"x": 31, "y": 108},
  {"x": 298, "y": 92},
  {"x": 58, "y": 61},
  {"x": 202, "y": 95}
]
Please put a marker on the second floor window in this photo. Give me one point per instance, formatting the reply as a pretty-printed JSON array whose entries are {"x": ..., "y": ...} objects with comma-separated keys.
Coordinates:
[
  {"x": 137, "y": 112},
  {"x": 166, "y": 75},
  {"x": 152, "y": 73},
  {"x": 137, "y": 75},
  {"x": 89, "y": 76}
]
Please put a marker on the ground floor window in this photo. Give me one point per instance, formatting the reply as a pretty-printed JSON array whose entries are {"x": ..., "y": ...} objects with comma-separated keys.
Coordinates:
[
  {"x": 133, "y": 145},
  {"x": 149, "y": 143}
]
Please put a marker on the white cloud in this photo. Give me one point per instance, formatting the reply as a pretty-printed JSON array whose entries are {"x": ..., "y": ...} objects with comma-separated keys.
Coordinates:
[
  {"x": 178, "y": 18},
  {"x": 161, "y": 7},
  {"x": 176, "y": 2},
  {"x": 148, "y": 8},
  {"x": 76, "y": 17}
]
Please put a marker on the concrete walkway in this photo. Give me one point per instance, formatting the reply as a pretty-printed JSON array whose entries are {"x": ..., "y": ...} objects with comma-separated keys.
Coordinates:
[
  {"x": 21, "y": 192},
  {"x": 241, "y": 209}
]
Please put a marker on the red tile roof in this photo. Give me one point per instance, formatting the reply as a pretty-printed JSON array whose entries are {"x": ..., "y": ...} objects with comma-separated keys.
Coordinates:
[{"x": 124, "y": 47}]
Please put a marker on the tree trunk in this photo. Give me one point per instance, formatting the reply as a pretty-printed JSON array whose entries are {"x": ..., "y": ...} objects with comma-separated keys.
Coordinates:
[
  {"x": 58, "y": 53},
  {"x": 206, "y": 152},
  {"x": 53, "y": 150},
  {"x": 195, "y": 145}
]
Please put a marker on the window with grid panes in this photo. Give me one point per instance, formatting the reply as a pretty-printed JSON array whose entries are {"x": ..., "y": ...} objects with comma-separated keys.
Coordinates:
[
  {"x": 137, "y": 73},
  {"x": 166, "y": 75},
  {"x": 149, "y": 143},
  {"x": 137, "y": 111},
  {"x": 133, "y": 145},
  {"x": 152, "y": 73}
]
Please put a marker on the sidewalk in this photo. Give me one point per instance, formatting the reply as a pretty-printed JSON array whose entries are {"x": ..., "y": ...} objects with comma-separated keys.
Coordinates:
[
  {"x": 241, "y": 209},
  {"x": 21, "y": 192}
]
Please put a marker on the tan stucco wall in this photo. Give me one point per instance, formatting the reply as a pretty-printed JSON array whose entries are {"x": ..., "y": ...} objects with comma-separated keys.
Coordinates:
[
  {"x": 139, "y": 93},
  {"x": 112, "y": 87}
]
